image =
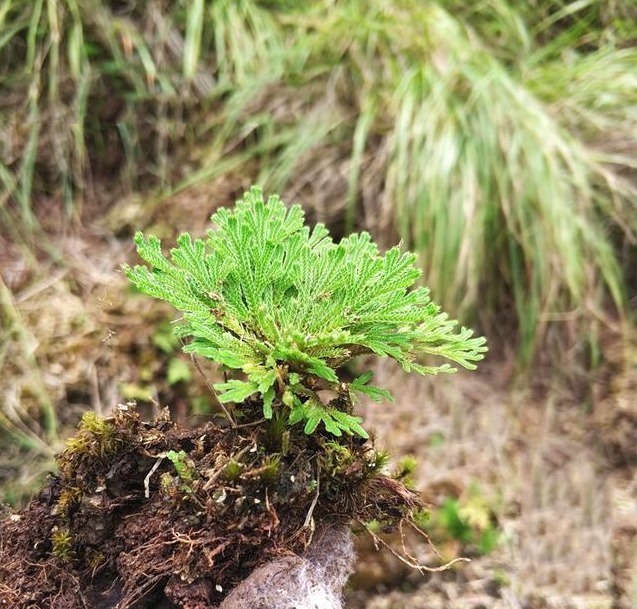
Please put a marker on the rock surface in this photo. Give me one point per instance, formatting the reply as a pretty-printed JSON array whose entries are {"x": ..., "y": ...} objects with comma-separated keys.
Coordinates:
[{"x": 314, "y": 581}]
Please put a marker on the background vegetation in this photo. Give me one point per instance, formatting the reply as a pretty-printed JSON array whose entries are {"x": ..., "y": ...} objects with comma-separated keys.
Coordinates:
[{"x": 496, "y": 138}]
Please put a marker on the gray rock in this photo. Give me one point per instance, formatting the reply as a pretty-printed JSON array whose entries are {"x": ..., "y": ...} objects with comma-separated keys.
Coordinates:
[{"x": 312, "y": 581}]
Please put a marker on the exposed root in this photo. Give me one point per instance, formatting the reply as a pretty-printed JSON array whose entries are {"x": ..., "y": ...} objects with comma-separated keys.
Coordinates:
[{"x": 406, "y": 558}]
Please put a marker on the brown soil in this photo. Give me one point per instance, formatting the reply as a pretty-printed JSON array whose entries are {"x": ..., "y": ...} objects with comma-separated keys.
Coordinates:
[{"x": 130, "y": 524}]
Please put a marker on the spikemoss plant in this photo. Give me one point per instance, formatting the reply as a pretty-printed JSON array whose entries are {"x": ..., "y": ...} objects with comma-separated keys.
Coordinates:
[
  {"x": 286, "y": 307},
  {"x": 184, "y": 467}
]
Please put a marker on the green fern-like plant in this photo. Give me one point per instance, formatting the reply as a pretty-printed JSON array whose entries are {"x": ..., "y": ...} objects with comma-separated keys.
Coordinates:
[{"x": 287, "y": 307}]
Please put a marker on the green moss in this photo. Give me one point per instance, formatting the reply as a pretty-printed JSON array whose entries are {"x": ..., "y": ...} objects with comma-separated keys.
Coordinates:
[
  {"x": 377, "y": 463},
  {"x": 336, "y": 459},
  {"x": 96, "y": 436},
  {"x": 69, "y": 498},
  {"x": 405, "y": 470},
  {"x": 62, "y": 541},
  {"x": 232, "y": 470}
]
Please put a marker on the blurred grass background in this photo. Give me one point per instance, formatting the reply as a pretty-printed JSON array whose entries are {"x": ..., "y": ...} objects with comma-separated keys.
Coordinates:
[{"x": 496, "y": 138}]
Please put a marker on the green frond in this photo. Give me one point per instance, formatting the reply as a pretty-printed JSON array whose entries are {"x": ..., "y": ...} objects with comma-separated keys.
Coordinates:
[
  {"x": 335, "y": 422},
  {"x": 361, "y": 385},
  {"x": 286, "y": 307},
  {"x": 235, "y": 391}
]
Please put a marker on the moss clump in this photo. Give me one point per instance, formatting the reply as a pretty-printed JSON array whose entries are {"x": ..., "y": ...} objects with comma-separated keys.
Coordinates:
[
  {"x": 69, "y": 499},
  {"x": 96, "y": 436},
  {"x": 62, "y": 544}
]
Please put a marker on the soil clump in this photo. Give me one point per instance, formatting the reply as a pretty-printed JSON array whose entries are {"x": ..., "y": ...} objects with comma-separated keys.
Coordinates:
[{"x": 148, "y": 514}]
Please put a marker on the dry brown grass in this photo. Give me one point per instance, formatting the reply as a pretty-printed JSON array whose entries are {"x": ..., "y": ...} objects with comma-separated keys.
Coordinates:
[{"x": 537, "y": 460}]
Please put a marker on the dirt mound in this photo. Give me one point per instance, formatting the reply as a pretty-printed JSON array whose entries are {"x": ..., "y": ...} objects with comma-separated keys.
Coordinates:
[{"x": 149, "y": 514}]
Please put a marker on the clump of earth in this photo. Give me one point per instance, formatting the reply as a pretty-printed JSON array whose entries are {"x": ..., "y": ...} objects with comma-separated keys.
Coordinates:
[{"x": 148, "y": 514}]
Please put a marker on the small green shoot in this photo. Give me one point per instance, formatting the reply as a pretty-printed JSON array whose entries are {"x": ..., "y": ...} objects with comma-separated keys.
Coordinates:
[
  {"x": 183, "y": 466},
  {"x": 469, "y": 520}
]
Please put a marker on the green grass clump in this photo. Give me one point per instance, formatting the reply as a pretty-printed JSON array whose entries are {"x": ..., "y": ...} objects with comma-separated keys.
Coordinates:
[
  {"x": 500, "y": 173},
  {"x": 97, "y": 86}
]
